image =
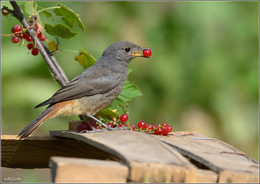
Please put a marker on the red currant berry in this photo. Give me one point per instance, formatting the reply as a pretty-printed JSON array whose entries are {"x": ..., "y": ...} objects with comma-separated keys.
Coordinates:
[
  {"x": 132, "y": 126},
  {"x": 93, "y": 123},
  {"x": 164, "y": 132},
  {"x": 18, "y": 35},
  {"x": 43, "y": 37},
  {"x": 141, "y": 125},
  {"x": 16, "y": 28},
  {"x": 15, "y": 39},
  {"x": 169, "y": 128},
  {"x": 164, "y": 125},
  {"x": 4, "y": 12},
  {"x": 39, "y": 34},
  {"x": 149, "y": 127},
  {"x": 34, "y": 51},
  {"x": 27, "y": 37},
  {"x": 83, "y": 126},
  {"x": 156, "y": 127},
  {"x": 110, "y": 125},
  {"x": 124, "y": 118},
  {"x": 122, "y": 125},
  {"x": 30, "y": 46},
  {"x": 147, "y": 53},
  {"x": 158, "y": 131},
  {"x": 98, "y": 127},
  {"x": 13, "y": 30}
]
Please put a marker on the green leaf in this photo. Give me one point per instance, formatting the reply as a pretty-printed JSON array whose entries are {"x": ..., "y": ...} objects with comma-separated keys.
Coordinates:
[
  {"x": 119, "y": 106},
  {"x": 121, "y": 102},
  {"x": 46, "y": 13},
  {"x": 27, "y": 8},
  {"x": 85, "y": 59},
  {"x": 59, "y": 30},
  {"x": 52, "y": 45},
  {"x": 108, "y": 112},
  {"x": 129, "y": 91},
  {"x": 69, "y": 16}
]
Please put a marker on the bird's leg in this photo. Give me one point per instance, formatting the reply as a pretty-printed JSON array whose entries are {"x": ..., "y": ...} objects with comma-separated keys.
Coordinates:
[{"x": 107, "y": 127}]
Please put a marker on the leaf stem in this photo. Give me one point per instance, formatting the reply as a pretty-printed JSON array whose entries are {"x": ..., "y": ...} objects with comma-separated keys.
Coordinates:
[
  {"x": 45, "y": 9},
  {"x": 73, "y": 51}
]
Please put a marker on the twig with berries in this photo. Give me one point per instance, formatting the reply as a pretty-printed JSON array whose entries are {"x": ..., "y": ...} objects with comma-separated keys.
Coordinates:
[
  {"x": 31, "y": 34},
  {"x": 158, "y": 129}
]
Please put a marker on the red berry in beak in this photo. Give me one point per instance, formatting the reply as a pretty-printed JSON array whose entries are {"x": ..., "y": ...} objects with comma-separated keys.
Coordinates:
[{"x": 147, "y": 53}]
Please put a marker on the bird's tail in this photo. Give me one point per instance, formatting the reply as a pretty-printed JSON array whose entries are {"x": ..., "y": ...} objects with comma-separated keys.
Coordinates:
[{"x": 46, "y": 114}]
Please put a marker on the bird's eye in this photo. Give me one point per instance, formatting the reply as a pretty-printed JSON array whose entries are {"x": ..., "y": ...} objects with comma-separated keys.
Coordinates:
[{"x": 127, "y": 49}]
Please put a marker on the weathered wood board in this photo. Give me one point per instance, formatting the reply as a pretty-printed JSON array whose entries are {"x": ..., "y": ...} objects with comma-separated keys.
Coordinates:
[
  {"x": 216, "y": 155},
  {"x": 78, "y": 170},
  {"x": 148, "y": 158},
  {"x": 144, "y": 157},
  {"x": 35, "y": 151},
  {"x": 129, "y": 146}
]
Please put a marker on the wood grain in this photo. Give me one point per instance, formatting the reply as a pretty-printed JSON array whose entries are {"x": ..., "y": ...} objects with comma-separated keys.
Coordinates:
[
  {"x": 178, "y": 157},
  {"x": 215, "y": 155},
  {"x": 148, "y": 159},
  {"x": 129, "y": 146},
  {"x": 76, "y": 170},
  {"x": 35, "y": 151}
]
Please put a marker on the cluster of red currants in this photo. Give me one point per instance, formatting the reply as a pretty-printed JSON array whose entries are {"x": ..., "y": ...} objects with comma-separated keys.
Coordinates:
[
  {"x": 123, "y": 119},
  {"x": 19, "y": 34},
  {"x": 159, "y": 129}
]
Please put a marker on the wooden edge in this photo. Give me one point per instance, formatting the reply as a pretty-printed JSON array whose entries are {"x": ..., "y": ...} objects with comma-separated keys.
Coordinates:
[
  {"x": 35, "y": 151},
  {"x": 76, "y": 170},
  {"x": 237, "y": 177},
  {"x": 156, "y": 172},
  {"x": 202, "y": 159},
  {"x": 31, "y": 137},
  {"x": 100, "y": 146}
]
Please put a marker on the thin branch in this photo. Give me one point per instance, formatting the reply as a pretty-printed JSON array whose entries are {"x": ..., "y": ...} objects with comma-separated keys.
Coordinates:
[{"x": 51, "y": 61}]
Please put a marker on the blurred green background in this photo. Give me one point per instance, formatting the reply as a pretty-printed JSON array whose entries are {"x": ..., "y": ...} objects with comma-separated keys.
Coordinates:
[{"x": 202, "y": 76}]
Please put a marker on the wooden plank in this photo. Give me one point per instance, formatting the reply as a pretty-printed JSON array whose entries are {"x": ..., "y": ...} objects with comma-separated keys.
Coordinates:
[
  {"x": 200, "y": 176},
  {"x": 237, "y": 177},
  {"x": 129, "y": 146},
  {"x": 35, "y": 151},
  {"x": 156, "y": 172},
  {"x": 148, "y": 159},
  {"x": 76, "y": 170},
  {"x": 216, "y": 155}
]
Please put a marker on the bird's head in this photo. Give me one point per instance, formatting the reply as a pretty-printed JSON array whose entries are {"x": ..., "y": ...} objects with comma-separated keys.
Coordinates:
[{"x": 126, "y": 51}]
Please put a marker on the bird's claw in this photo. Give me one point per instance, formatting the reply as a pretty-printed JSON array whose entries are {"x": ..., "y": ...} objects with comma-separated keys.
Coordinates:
[{"x": 104, "y": 130}]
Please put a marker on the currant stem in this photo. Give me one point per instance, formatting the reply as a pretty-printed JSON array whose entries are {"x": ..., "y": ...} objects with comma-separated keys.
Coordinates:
[{"x": 45, "y": 9}]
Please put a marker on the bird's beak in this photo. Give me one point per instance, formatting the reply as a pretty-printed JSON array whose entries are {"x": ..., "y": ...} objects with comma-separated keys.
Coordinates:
[{"x": 138, "y": 53}]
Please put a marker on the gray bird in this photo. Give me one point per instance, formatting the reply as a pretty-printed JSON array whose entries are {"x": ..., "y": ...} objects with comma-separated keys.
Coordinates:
[{"x": 92, "y": 90}]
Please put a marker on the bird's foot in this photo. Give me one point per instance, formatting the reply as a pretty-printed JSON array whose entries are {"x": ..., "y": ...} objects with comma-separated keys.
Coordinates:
[
  {"x": 94, "y": 130},
  {"x": 120, "y": 128},
  {"x": 106, "y": 127}
]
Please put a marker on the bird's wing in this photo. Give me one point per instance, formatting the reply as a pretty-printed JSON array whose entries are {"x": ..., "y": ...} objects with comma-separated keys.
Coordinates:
[{"x": 86, "y": 84}]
